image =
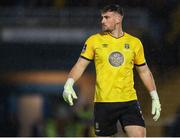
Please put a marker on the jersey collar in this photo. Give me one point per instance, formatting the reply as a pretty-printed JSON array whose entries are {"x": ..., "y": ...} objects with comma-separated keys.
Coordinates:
[{"x": 116, "y": 37}]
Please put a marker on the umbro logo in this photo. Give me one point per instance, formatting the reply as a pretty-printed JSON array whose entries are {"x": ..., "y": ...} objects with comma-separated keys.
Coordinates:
[{"x": 105, "y": 45}]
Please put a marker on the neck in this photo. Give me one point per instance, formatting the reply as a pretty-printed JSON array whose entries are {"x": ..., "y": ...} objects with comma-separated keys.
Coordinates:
[{"x": 118, "y": 32}]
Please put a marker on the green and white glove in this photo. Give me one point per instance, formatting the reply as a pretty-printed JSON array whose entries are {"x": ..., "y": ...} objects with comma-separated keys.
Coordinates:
[
  {"x": 69, "y": 93},
  {"x": 156, "y": 106}
]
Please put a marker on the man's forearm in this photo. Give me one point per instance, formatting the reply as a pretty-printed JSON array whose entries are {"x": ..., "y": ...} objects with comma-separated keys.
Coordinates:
[
  {"x": 148, "y": 80},
  {"x": 76, "y": 73},
  {"x": 78, "y": 69}
]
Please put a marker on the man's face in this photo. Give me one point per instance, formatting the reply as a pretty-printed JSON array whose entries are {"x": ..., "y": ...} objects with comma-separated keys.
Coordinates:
[{"x": 110, "y": 20}]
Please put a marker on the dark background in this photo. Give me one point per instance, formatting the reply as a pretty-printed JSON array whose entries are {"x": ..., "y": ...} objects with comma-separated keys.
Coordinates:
[{"x": 46, "y": 36}]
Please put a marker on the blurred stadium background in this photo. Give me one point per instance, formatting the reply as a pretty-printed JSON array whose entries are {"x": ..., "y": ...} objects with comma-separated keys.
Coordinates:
[{"x": 40, "y": 40}]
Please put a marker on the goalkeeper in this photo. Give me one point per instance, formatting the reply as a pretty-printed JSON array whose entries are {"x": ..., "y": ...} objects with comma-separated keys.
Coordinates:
[{"x": 115, "y": 54}]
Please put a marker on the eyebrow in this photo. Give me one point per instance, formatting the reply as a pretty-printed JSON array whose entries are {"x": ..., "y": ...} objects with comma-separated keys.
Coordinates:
[{"x": 104, "y": 15}]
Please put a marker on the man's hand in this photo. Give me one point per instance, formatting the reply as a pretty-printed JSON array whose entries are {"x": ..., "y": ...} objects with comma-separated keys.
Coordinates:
[
  {"x": 69, "y": 93},
  {"x": 156, "y": 106}
]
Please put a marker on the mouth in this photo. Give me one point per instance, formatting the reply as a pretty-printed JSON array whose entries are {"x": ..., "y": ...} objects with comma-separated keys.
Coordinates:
[{"x": 103, "y": 26}]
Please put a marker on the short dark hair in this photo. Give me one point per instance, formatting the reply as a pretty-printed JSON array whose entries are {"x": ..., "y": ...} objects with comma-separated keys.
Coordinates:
[{"x": 113, "y": 8}]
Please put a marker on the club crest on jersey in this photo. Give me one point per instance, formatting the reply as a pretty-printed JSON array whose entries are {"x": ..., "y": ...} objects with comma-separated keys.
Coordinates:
[
  {"x": 84, "y": 48},
  {"x": 126, "y": 46},
  {"x": 116, "y": 59}
]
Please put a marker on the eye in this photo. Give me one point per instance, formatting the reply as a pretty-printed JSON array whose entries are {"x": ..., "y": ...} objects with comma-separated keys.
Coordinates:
[{"x": 106, "y": 17}]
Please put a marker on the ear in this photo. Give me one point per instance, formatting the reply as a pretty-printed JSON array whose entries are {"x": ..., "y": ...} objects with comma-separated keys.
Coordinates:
[{"x": 119, "y": 18}]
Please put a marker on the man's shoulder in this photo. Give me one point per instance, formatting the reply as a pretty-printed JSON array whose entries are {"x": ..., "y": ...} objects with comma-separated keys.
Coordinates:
[
  {"x": 132, "y": 37},
  {"x": 97, "y": 35}
]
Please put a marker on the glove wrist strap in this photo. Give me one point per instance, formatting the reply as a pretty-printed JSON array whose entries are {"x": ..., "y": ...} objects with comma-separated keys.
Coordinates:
[
  {"x": 70, "y": 81},
  {"x": 154, "y": 94}
]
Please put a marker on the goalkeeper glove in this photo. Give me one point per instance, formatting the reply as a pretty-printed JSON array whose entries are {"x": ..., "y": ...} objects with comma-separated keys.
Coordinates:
[
  {"x": 69, "y": 93},
  {"x": 156, "y": 106}
]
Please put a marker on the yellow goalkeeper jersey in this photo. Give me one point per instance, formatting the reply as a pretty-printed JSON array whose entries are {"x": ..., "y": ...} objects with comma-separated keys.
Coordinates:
[{"x": 114, "y": 61}]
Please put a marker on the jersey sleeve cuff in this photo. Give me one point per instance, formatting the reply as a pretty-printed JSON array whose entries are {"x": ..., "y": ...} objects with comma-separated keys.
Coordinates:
[
  {"x": 140, "y": 64},
  {"x": 86, "y": 58}
]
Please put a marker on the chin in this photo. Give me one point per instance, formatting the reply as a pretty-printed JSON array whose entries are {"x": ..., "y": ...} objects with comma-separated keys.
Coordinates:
[{"x": 106, "y": 30}]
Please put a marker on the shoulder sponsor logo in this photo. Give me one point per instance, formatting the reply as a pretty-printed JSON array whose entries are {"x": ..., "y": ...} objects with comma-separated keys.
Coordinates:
[{"x": 84, "y": 48}]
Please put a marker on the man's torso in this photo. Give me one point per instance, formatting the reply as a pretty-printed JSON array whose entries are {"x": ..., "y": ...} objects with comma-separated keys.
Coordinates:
[{"x": 114, "y": 62}]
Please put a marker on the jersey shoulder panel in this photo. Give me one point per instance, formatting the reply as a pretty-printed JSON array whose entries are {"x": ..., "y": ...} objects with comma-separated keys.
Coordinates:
[
  {"x": 89, "y": 46},
  {"x": 96, "y": 39},
  {"x": 138, "y": 49},
  {"x": 95, "y": 36},
  {"x": 133, "y": 38},
  {"x": 135, "y": 41}
]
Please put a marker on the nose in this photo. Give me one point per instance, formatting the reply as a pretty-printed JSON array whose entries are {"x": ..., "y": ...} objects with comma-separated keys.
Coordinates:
[{"x": 102, "y": 21}]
